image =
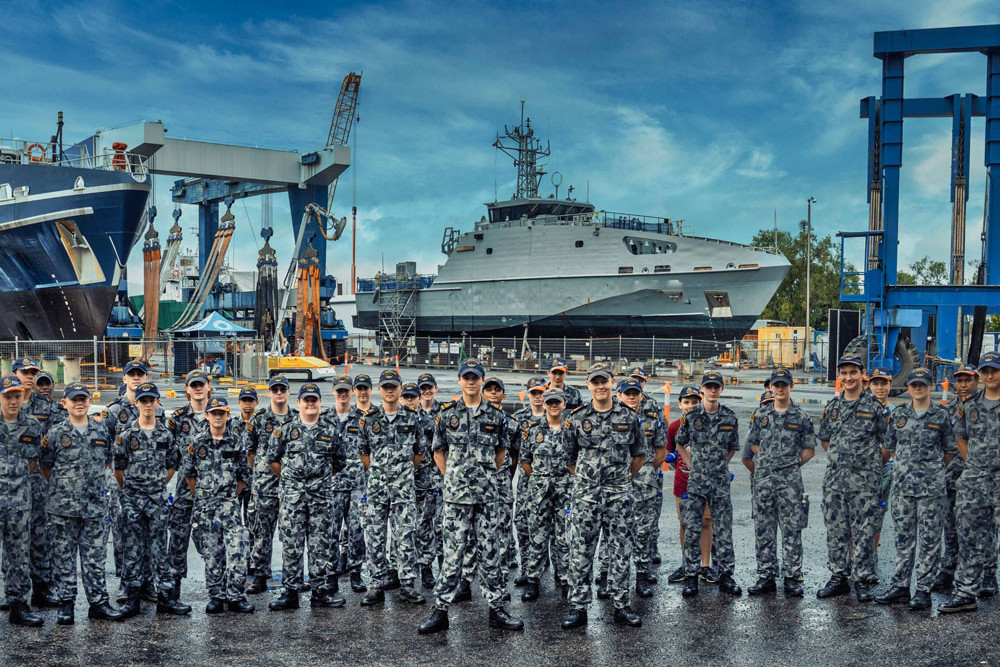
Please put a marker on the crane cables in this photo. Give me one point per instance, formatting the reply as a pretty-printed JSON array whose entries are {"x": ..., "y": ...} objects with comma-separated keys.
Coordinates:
[
  {"x": 176, "y": 235},
  {"x": 210, "y": 272}
]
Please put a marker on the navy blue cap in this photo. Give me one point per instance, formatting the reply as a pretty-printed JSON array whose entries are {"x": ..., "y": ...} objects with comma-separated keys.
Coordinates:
[
  {"x": 689, "y": 391},
  {"x": 342, "y": 382},
  {"x": 537, "y": 383},
  {"x": 919, "y": 376},
  {"x": 217, "y": 404},
  {"x": 493, "y": 379},
  {"x": 44, "y": 375},
  {"x": 197, "y": 375},
  {"x": 781, "y": 375},
  {"x": 362, "y": 380},
  {"x": 389, "y": 378},
  {"x": 637, "y": 372},
  {"x": 766, "y": 397},
  {"x": 248, "y": 392},
  {"x": 600, "y": 370},
  {"x": 553, "y": 394},
  {"x": 410, "y": 389},
  {"x": 471, "y": 366},
  {"x": 134, "y": 366},
  {"x": 75, "y": 390},
  {"x": 425, "y": 380},
  {"x": 310, "y": 389},
  {"x": 558, "y": 364},
  {"x": 10, "y": 383},
  {"x": 712, "y": 377},
  {"x": 278, "y": 381},
  {"x": 630, "y": 384},
  {"x": 851, "y": 359},
  {"x": 882, "y": 373},
  {"x": 966, "y": 369},
  {"x": 147, "y": 390},
  {"x": 989, "y": 360},
  {"x": 26, "y": 364}
]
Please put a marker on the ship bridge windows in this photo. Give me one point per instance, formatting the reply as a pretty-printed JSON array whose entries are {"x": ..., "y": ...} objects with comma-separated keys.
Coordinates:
[{"x": 642, "y": 245}]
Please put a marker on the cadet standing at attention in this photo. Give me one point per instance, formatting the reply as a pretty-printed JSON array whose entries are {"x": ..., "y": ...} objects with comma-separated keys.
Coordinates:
[
  {"x": 923, "y": 442},
  {"x": 428, "y": 481},
  {"x": 649, "y": 407},
  {"x": 75, "y": 455},
  {"x": 470, "y": 444},
  {"x": 782, "y": 440},
  {"x": 391, "y": 445},
  {"x": 495, "y": 392},
  {"x": 707, "y": 438},
  {"x": 526, "y": 416},
  {"x": 852, "y": 431},
  {"x": 606, "y": 451},
  {"x": 557, "y": 380},
  {"x": 19, "y": 450},
  {"x": 217, "y": 471},
  {"x": 306, "y": 453},
  {"x": 247, "y": 401}
]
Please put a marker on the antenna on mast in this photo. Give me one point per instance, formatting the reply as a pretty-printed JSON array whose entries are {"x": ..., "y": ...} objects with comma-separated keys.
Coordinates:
[{"x": 525, "y": 155}]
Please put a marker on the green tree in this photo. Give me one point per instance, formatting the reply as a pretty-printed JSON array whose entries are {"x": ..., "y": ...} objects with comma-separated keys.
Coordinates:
[
  {"x": 926, "y": 272},
  {"x": 789, "y": 302}
]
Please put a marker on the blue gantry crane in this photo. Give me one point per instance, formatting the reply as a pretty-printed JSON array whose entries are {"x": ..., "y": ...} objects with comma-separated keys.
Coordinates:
[{"x": 904, "y": 325}]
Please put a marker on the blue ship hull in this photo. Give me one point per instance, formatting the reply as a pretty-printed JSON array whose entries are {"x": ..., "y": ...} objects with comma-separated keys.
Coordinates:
[{"x": 63, "y": 244}]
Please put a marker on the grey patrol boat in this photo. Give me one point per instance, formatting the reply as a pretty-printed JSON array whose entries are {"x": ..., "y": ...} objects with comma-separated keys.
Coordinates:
[{"x": 560, "y": 267}]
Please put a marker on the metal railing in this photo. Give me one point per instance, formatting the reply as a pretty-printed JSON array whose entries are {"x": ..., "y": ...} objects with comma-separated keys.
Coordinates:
[{"x": 19, "y": 151}]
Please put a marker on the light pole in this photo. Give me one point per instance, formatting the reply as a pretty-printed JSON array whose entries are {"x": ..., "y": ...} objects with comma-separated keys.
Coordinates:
[{"x": 809, "y": 202}]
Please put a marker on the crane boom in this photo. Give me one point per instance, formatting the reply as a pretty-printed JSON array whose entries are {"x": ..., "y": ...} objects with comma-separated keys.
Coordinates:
[{"x": 343, "y": 120}]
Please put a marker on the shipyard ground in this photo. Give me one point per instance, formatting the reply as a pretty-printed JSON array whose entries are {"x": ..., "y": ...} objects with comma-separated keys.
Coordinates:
[{"x": 712, "y": 629}]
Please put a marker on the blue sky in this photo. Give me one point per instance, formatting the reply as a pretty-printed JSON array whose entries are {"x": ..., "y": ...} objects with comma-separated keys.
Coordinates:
[{"x": 717, "y": 113}]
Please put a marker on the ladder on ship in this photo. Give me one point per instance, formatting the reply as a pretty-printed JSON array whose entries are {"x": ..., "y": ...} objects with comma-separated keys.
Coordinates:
[{"x": 396, "y": 323}]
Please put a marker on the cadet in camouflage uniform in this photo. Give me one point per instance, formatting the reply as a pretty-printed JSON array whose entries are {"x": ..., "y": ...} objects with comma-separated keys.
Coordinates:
[
  {"x": 247, "y": 401},
  {"x": 707, "y": 439},
  {"x": 39, "y": 407},
  {"x": 852, "y": 431},
  {"x": 185, "y": 424},
  {"x": 352, "y": 535},
  {"x": 879, "y": 384},
  {"x": 306, "y": 453},
  {"x": 75, "y": 455},
  {"x": 390, "y": 446},
  {"x": 526, "y": 416},
  {"x": 558, "y": 368},
  {"x": 781, "y": 439},
  {"x": 470, "y": 445},
  {"x": 923, "y": 442},
  {"x": 145, "y": 459},
  {"x": 606, "y": 450},
  {"x": 428, "y": 481},
  {"x": 217, "y": 470},
  {"x": 19, "y": 451},
  {"x": 264, "y": 487},
  {"x": 977, "y": 427},
  {"x": 964, "y": 379},
  {"x": 649, "y": 406},
  {"x": 346, "y": 483},
  {"x": 495, "y": 392},
  {"x": 545, "y": 464}
]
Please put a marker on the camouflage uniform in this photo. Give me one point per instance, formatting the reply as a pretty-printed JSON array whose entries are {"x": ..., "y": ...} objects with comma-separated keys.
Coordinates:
[
  {"x": 505, "y": 483},
  {"x": 546, "y": 498},
  {"x": 573, "y": 397},
  {"x": 709, "y": 439},
  {"x": 217, "y": 466},
  {"x": 469, "y": 437},
  {"x": 39, "y": 407},
  {"x": 978, "y": 492},
  {"x": 777, "y": 487},
  {"x": 647, "y": 494},
  {"x": 885, "y": 483},
  {"x": 522, "y": 508},
  {"x": 949, "y": 554},
  {"x": 851, "y": 484},
  {"x": 144, "y": 458},
  {"x": 391, "y": 443},
  {"x": 264, "y": 488},
  {"x": 428, "y": 480},
  {"x": 601, "y": 447},
  {"x": 920, "y": 442},
  {"x": 310, "y": 455},
  {"x": 186, "y": 426},
  {"x": 77, "y": 506},
  {"x": 646, "y": 406},
  {"x": 348, "y": 489},
  {"x": 18, "y": 446}
]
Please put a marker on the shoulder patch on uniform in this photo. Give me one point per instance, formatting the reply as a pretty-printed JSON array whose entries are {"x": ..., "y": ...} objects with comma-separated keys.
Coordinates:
[
  {"x": 259, "y": 411},
  {"x": 577, "y": 409}
]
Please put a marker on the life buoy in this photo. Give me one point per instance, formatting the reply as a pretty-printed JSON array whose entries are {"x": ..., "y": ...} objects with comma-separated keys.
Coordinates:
[
  {"x": 31, "y": 152},
  {"x": 175, "y": 273}
]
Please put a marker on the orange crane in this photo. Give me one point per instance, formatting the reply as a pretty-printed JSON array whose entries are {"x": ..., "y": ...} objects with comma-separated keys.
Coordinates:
[{"x": 340, "y": 131}]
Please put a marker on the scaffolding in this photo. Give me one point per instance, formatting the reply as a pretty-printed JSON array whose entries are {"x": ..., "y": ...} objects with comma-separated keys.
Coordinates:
[{"x": 396, "y": 307}]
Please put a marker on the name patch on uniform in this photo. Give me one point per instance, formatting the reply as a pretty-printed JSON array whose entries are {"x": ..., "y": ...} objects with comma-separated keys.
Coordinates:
[
  {"x": 865, "y": 415},
  {"x": 324, "y": 438},
  {"x": 65, "y": 441},
  {"x": 99, "y": 443},
  {"x": 489, "y": 428},
  {"x": 792, "y": 426},
  {"x": 28, "y": 439},
  {"x": 726, "y": 427},
  {"x": 934, "y": 426},
  {"x": 352, "y": 429},
  {"x": 651, "y": 414},
  {"x": 622, "y": 427}
]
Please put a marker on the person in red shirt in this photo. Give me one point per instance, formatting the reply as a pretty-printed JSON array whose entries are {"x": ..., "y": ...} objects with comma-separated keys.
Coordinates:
[{"x": 689, "y": 398}]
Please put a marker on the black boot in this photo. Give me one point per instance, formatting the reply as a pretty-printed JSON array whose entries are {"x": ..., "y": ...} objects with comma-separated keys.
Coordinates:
[
  {"x": 793, "y": 588},
  {"x": 943, "y": 582},
  {"x": 215, "y": 606},
  {"x": 921, "y": 600},
  {"x": 763, "y": 585},
  {"x": 167, "y": 604},
  {"x": 394, "y": 582},
  {"x": 642, "y": 586},
  {"x": 259, "y": 585},
  {"x": 409, "y": 594},
  {"x": 240, "y": 606},
  {"x": 175, "y": 592},
  {"x": 863, "y": 590},
  {"x": 500, "y": 619},
  {"x": 325, "y": 598},
  {"x": 102, "y": 611},
  {"x": 20, "y": 614},
  {"x": 838, "y": 585},
  {"x": 357, "y": 585},
  {"x": 625, "y": 616},
  {"x": 521, "y": 580},
  {"x": 131, "y": 607},
  {"x": 427, "y": 577},
  {"x": 288, "y": 599},
  {"x": 988, "y": 588},
  {"x": 690, "y": 586},
  {"x": 602, "y": 587},
  {"x": 893, "y": 595},
  {"x": 728, "y": 585},
  {"x": 464, "y": 593},
  {"x": 574, "y": 618},
  {"x": 65, "y": 616},
  {"x": 41, "y": 595},
  {"x": 531, "y": 591},
  {"x": 148, "y": 592},
  {"x": 957, "y": 603},
  {"x": 438, "y": 622},
  {"x": 375, "y": 597}
]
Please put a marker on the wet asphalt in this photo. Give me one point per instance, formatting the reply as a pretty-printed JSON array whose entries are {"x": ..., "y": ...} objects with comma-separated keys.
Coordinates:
[{"x": 711, "y": 629}]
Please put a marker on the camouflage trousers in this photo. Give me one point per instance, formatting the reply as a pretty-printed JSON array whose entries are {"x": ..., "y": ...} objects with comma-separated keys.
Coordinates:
[
  {"x": 522, "y": 512},
  {"x": 39, "y": 549},
  {"x": 117, "y": 531},
  {"x": 304, "y": 521},
  {"x": 14, "y": 532},
  {"x": 918, "y": 522},
  {"x": 777, "y": 504},
  {"x": 655, "y": 537},
  {"x": 265, "y": 520},
  {"x": 884, "y": 496},
  {"x": 612, "y": 512},
  {"x": 644, "y": 510},
  {"x": 72, "y": 536},
  {"x": 976, "y": 504},
  {"x": 144, "y": 519},
  {"x": 546, "y": 500},
  {"x": 348, "y": 547},
  {"x": 222, "y": 540},
  {"x": 505, "y": 536},
  {"x": 949, "y": 543},
  {"x": 720, "y": 505},
  {"x": 428, "y": 533},
  {"x": 382, "y": 516},
  {"x": 179, "y": 525},
  {"x": 851, "y": 516},
  {"x": 463, "y": 526}
]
